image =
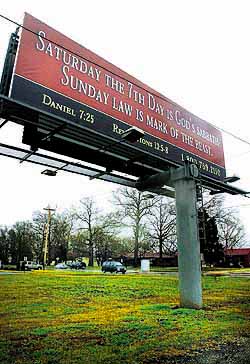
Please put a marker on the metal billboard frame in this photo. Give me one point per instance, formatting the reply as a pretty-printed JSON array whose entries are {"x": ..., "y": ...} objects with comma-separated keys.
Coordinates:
[{"x": 11, "y": 110}]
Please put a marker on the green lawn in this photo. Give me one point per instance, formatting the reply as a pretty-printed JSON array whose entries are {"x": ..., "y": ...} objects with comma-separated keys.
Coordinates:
[{"x": 73, "y": 317}]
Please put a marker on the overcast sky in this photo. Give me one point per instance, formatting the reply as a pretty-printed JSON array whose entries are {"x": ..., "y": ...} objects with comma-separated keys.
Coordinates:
[{"x": 194, "y": 52}]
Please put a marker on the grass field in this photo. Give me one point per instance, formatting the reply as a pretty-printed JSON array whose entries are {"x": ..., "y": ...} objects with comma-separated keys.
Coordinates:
[{"x": 73, "y": 317}]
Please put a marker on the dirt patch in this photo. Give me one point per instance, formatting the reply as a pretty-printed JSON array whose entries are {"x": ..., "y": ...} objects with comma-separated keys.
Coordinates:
[
  {"x": 227, "y": 354},
  {"x": 235, "y": 353}
]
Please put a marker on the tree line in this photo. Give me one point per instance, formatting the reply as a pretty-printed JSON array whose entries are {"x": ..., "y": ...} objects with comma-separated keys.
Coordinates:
[{"x": 139, "y": 223}]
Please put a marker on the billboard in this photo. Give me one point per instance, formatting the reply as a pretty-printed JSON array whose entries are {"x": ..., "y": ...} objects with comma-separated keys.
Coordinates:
[{"x": 59, "y": 76}]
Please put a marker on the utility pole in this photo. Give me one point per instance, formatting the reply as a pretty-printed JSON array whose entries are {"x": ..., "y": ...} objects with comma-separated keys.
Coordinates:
[{"x": 45, "y": 255}]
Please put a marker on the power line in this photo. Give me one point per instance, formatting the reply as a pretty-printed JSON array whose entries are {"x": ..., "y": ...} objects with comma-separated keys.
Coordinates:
[
  {"x": 158, "y": 95},
  {"x": 232, "y": 135},
  {"x": 232, "y": 207},
  {"x": 238, "y": 155}
]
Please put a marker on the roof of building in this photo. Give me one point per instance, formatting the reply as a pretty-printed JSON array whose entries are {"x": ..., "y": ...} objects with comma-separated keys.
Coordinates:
[{"x": 240, "y": 251}]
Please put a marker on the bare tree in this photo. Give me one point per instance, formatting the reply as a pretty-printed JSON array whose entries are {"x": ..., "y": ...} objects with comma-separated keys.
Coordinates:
[
  {"x": 39, "y": 221},
  {"x": 134, "y": 206},
  {"x": 4, "y": 244},
  {"x": 98, "y": 227},
  {"x": 60, "y": 230},
  {"x": 21, "y": 238},
  {"x": 231, "y": 231},
  {"x": 88, "y": 215},
  {"x": 60, "y": 235},
  {"x": 162, "y": 226}
]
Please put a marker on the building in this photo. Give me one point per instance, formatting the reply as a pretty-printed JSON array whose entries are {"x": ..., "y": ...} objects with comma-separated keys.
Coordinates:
[
  {"x": 155, "y": 260},
  {"x": 238, "y": 257}
]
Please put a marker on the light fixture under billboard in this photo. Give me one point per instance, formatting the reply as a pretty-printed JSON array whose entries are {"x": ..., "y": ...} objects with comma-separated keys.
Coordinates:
[{"x": 49, "y": 172}]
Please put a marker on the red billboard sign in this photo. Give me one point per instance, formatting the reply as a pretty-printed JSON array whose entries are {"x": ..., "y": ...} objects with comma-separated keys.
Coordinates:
[{"x": 59, "y": 76}]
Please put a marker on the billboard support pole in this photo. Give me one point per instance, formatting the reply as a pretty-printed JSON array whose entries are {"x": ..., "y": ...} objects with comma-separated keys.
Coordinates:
[
  {"x": 184, "y": 180},
  {"x": 189, "y": 262}
]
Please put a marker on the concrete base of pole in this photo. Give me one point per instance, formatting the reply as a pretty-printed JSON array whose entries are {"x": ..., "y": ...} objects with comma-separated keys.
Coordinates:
[{"x": 189, "y": 262}]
